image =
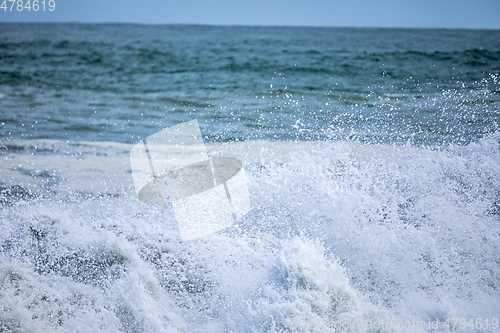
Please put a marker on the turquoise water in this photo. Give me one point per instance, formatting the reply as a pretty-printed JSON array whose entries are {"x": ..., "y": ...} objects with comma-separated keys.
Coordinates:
[
  {"x": 118, "y": 82},
  {"x": 372, "y": 158}
]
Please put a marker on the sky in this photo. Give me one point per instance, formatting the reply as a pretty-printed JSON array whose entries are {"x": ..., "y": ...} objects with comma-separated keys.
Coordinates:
[{"x": 475, "y": 14}]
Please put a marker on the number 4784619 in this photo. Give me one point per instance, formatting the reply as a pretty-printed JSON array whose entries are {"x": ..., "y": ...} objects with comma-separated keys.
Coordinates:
[{"x": 28, "y": 5}]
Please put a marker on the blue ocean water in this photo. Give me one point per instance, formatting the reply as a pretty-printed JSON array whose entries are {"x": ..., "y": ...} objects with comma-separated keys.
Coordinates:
[
  {"x": 118, "y": 82},
  {"x": 373, "y": 162}
]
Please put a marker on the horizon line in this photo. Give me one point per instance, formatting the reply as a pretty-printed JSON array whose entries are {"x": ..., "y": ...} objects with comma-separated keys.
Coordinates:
[{"x": 246, "y": 25}]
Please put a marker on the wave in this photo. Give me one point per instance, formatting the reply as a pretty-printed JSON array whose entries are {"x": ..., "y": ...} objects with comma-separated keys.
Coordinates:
[
  {"x": 108, "y": 64},
  {"x": 339, "y": 231},
  {"x": 471, "y": 57}
]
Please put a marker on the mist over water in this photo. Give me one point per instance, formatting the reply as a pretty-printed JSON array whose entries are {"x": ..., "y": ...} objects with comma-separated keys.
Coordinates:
[{"x": 373, "y": 163}]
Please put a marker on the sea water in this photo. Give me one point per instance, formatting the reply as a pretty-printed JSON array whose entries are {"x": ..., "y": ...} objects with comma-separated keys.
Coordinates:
[{"x": 372, "y": 158}]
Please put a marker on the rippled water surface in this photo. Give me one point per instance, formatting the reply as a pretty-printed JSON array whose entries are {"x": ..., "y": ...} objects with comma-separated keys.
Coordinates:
[{"x": 372, "y": 158}]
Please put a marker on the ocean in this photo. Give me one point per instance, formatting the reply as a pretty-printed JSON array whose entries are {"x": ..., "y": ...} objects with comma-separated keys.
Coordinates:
[{"x": 372, "y": 159}]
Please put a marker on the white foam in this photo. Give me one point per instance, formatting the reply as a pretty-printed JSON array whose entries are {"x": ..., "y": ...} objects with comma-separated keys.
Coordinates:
[{"x": 338, "y": 231}]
